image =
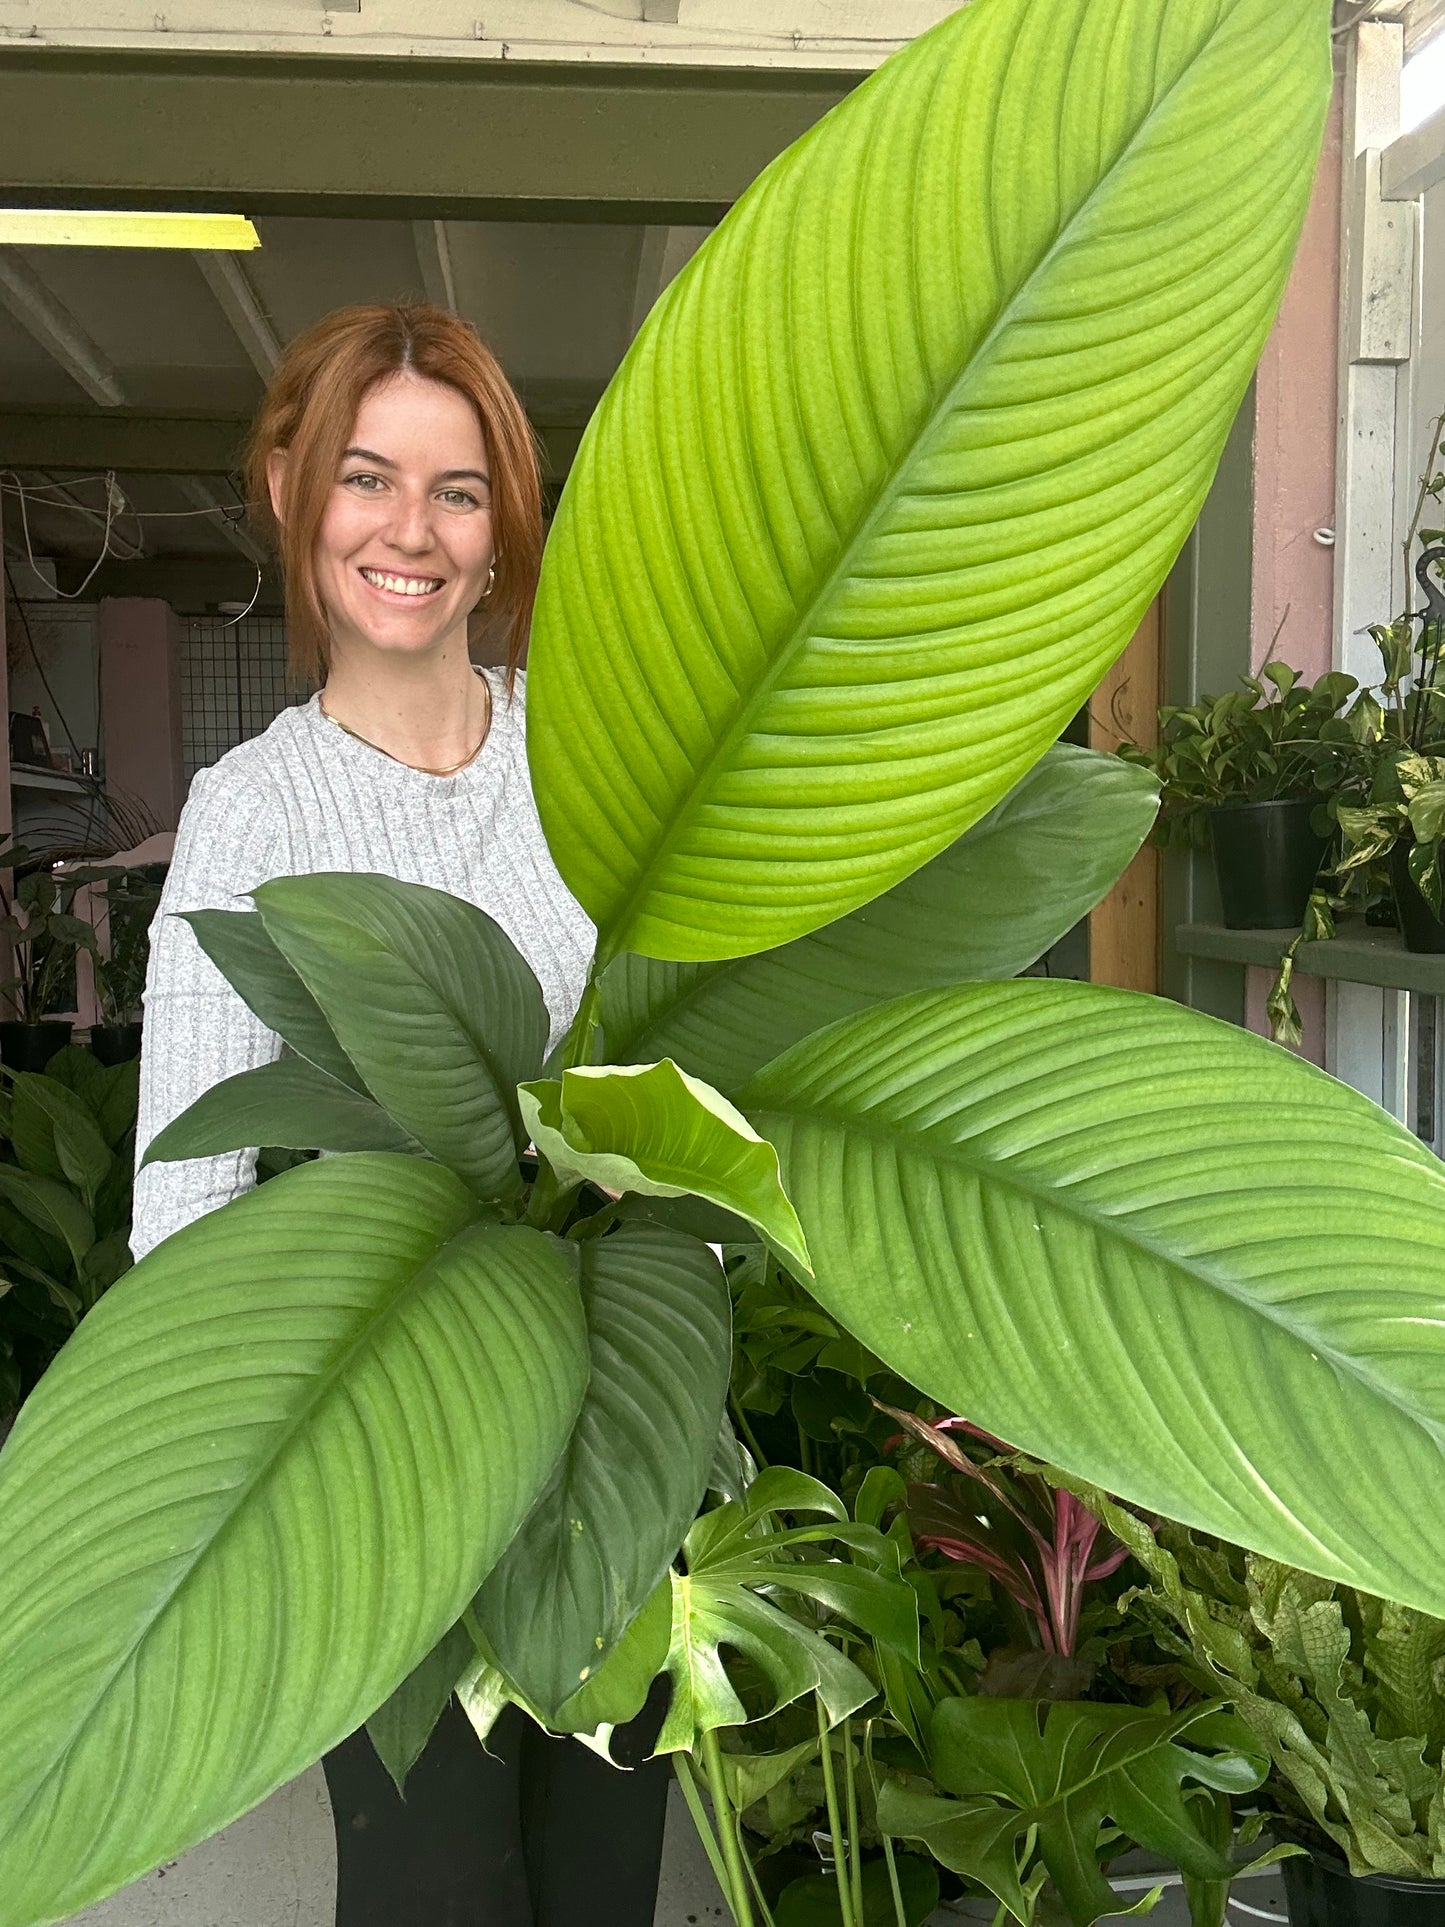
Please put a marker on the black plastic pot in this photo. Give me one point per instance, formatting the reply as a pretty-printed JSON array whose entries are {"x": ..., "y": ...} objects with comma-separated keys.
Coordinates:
[
  {"x": 1322, "y": 1892},
  {"x": 1266, "y": 857},
  {"x": 30, "y": 1047},
  {"x": 1421, "y": 928},
  {"x": 115, "y": 1043}
]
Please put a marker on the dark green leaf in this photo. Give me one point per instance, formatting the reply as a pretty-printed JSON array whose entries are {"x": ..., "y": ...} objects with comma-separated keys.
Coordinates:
[
  {"x": 401, "y": 1726},
  {"x": 290, "y": 1104},
  {"x": 237, "y": 943}
]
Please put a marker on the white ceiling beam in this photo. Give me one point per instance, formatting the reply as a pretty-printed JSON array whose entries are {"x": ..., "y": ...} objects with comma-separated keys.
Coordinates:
[
  {"x": 227, "y": 515},
  {"x": 57, "y": 330},
  {"x": 1424, "y": 19},
  {"x": 237, "y": 300},
  {"x": 666, "y": 251},
  {"x": 434, "y": 258}
]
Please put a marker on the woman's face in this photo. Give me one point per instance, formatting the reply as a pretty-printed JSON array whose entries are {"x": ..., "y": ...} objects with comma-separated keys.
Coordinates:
[{"x": 406, "y": 539}]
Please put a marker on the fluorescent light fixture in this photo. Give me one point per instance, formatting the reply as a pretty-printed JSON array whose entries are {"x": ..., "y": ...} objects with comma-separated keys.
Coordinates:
[{"x": 35, "y": 227}]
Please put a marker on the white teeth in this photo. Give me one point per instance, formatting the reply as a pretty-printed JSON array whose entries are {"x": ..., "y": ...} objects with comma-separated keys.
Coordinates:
[{"x": 402, "y": 584}]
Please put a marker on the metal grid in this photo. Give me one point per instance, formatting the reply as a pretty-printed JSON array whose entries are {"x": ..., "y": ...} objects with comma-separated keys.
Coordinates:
[{"x": 233, "y": 683}]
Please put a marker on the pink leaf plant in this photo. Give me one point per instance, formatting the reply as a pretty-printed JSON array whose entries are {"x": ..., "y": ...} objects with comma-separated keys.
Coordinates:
[{"x": 1040, "y": 1544}]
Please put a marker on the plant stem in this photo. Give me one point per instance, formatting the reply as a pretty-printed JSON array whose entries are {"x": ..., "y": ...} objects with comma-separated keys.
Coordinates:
[
  {"x": 738, "y": 1897},
  {"x": 900, "y": 1918},
  {"x": 850, "y": 1796},
  {"x": 581, "y": 1039},
  {"x": 835, "y": 1822},
  {"x": 749, "y": 1436},
  {"x": 545, "y": 1192},
  {"x": 687, "y": 1780}
]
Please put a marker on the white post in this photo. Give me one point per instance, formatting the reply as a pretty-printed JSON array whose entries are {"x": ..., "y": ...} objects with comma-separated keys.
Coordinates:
[{"x": 1367, "y": 1030}]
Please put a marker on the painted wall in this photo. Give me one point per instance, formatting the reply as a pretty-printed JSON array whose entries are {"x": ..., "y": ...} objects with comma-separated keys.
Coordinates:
[
  {"x": 1292, "y": 613},
  {"x": 140, "y": 690}
]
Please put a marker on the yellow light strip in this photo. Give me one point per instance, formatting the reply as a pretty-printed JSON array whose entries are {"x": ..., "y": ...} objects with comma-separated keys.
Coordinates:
[{"x": 86, "y": 228}]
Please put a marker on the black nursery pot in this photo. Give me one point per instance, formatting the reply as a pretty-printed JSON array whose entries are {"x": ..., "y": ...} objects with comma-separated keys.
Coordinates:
[
  {"x": 115, "y": 1043},
  {"x": 1421, "y": 928},
  {"x": 30, "y": 1047},
  {"x": 1322, "y": 1892},
  {"x": 1266, "y": 858}
]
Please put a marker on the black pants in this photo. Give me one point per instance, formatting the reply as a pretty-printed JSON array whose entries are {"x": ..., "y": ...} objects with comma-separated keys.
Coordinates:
[{"x": 536, "y": 1832}]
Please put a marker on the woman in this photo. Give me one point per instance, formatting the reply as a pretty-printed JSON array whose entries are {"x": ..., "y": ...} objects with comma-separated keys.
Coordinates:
[{"x": 401, "y": 477}]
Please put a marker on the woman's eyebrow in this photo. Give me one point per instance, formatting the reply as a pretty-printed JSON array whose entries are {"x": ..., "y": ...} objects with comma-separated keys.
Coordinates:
[{"x": 447, "y": 474}]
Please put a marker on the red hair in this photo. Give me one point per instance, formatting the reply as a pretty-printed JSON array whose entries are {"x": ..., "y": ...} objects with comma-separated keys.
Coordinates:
[{"x": 309, "y": 412}]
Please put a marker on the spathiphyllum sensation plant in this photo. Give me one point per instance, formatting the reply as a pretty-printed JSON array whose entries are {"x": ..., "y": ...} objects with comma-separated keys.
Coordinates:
[{"x": 884, "y": 485}]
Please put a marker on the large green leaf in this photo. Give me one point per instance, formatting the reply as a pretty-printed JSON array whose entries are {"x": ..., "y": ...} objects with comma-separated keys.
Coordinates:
[
  {"x": 899, "y": 460},
  {"x": 251, "y": 1495},
  {"x": 432, "y": 1003},
  {"x": 1145, "y": 1246},
  {"x": 1047, "y": 1776},
  {"x": 652, "y": 1129},
  {"x": 237, "y": 944},
  {"x": 290, "y": 1104},
  {"x": 601, "y": 1537},
  {"x": 992, "y": 903}
]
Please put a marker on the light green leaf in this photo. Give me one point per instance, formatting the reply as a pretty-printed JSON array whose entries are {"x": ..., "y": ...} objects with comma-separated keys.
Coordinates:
[
  {"x": 401, "y": 1726},
  {"x": 988, "y": 907},
  {"x": 651, "y": 1128},
  {"x": 291, "y": 1104},
  {"x": 600, "y": 1539},
  {"x": 899, "y": 460},
  {"x": 1142, "y": 1245},
  {"x": 249, "y": 1498},
  {"x": 237, "y": 944},
  {"x": 617, "y": 1691},
  {"x": 430, "y": 1000}
]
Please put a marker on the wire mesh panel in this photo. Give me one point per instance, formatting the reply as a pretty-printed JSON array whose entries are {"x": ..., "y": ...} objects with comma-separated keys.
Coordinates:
[{"x": 233, "y": 683}]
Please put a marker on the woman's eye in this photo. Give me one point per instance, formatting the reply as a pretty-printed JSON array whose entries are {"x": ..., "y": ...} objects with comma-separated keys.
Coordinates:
[
  {"x": 459, "y": 498},
  {"x": 365, "y": 484}
]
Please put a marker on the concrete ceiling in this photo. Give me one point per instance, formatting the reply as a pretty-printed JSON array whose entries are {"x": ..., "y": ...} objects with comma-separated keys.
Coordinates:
[{"x": 150, "y": 364}]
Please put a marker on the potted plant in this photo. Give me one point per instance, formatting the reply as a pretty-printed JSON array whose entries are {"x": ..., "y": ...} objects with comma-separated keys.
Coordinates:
[
  {"x": 128, "y": 897},
  {"x": 1343, "y": 1690},
  {"x": 1250, "y": 773},
  {"x": 67, "y": 1146},
  {"x": 43, "y": 936},
  {"x": 778, "y": 761}
]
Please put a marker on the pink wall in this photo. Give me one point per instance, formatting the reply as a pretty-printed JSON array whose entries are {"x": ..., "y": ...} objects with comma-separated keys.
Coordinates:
[
  {"x": 1294, "y": 488},
  {"x": 140, "y": 695}
]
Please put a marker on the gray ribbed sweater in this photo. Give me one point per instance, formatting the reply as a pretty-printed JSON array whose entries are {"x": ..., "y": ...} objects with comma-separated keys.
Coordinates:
[{"x": 302, "y": 797}]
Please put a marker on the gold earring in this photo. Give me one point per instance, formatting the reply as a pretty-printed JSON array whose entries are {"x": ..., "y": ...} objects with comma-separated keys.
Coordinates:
[{"x": 491, "y": 580}]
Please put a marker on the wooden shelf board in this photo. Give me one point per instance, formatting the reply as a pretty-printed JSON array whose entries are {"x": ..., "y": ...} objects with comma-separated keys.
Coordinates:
[{"x": 1358, "y": 955}]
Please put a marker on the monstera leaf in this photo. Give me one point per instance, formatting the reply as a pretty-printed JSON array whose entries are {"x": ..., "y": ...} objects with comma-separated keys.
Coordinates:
[
  {"x": 1042, "y": 1777},
  {"x": 249, "y": 1498},
  {"x": 1145, "y": 1246},
  {"x": 900, "y": 459},
  {"x": 988, "y": 907}
]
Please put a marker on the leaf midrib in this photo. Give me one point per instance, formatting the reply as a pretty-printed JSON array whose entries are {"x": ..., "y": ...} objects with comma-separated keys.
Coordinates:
[
  {"x": 324, "y": 1386},
  {"x": 609, "y": 942},
  {"x": 910, "y": 1144}
]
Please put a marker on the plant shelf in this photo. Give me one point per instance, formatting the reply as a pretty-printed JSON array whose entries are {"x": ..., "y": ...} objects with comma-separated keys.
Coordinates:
[
  {"x": 1358, "y": 955},
  {"x": 28, "y": 777}
]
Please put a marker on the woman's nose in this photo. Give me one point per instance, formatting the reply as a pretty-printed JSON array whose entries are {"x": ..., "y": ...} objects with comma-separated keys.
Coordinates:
[{"x": 411, "y": 527}]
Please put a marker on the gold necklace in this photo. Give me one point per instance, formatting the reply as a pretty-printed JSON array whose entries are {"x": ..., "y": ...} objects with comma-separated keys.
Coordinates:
[{"x": 422, "y": 769}]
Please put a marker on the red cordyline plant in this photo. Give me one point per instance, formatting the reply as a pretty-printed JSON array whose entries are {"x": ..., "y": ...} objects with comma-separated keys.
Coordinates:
[{"x": 1040, "y": 1544}]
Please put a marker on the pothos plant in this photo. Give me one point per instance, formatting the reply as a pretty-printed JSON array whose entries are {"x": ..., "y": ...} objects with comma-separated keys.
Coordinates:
[{"x": 883, "y": 486}]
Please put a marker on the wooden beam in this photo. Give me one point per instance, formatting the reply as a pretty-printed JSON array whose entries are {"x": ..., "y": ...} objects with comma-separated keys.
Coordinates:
[{"x": 1124, "y": 930}]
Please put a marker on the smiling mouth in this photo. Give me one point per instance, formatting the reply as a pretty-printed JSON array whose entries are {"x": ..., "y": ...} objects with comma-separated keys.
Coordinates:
[{"x": 411, "y": 585}]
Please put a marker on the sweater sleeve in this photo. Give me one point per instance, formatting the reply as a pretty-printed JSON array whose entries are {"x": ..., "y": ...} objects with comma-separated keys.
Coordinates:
[{"x": 197, "y": 1029}]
